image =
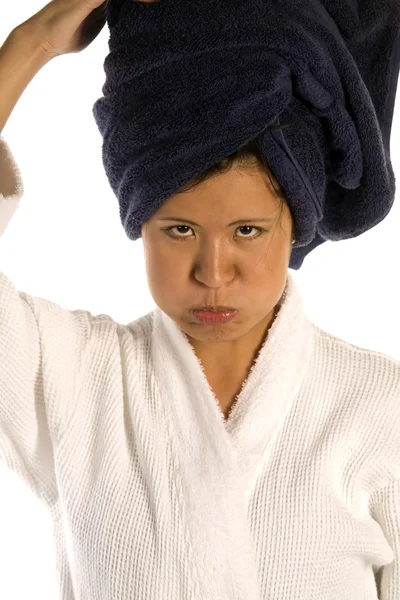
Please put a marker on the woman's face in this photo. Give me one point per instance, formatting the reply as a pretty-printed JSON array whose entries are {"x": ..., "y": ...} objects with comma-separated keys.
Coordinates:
[{"x": 216, "y": 263}]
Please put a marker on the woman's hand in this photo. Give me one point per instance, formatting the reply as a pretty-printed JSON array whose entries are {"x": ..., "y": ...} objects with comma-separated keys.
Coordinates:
[{"x": 67, "y": 26}]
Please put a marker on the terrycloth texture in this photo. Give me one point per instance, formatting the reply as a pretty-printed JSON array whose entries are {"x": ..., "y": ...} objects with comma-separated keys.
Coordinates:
[
  {"x": 189, "y": 82},
  {"x": 154, "y": 496}
]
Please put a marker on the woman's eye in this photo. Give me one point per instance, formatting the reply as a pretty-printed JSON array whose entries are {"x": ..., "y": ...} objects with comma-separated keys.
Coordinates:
[{"x": 247, "y": 227}]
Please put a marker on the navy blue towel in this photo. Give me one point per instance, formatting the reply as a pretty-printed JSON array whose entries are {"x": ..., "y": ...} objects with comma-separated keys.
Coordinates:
[{"x": 188, "y": 82}]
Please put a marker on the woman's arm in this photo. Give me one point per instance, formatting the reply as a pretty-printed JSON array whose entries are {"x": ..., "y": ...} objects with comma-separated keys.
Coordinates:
[{"x": 20, "y": 59}]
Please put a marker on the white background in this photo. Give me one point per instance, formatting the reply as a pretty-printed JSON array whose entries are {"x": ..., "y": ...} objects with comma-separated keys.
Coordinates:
[{"x": 66, "y": 244}]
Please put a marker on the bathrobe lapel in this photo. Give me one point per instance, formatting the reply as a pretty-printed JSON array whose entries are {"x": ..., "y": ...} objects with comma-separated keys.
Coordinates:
[{"x": 218, "y": 461}]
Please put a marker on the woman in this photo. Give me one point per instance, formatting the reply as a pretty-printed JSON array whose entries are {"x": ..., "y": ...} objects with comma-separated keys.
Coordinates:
[{"x": 188, "y": 455}]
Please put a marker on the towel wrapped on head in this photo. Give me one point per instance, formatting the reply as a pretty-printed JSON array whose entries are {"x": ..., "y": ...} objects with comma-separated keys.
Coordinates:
[{"x": 188, "y": 82}]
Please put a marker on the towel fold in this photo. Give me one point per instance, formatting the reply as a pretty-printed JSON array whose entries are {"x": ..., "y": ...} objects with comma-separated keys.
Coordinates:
[{"x": 188, "y": 82}]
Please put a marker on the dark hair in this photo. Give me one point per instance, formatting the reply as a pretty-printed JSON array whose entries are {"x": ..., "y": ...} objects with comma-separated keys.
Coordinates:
[{"x": 243, "y": 158}]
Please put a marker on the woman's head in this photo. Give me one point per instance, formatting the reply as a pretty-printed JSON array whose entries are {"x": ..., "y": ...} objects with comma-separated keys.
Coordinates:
[{"x": 208, "y": 260}]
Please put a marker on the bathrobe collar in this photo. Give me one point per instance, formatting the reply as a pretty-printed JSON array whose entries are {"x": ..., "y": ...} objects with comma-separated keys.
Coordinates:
[{"x": 219, "y": 461}]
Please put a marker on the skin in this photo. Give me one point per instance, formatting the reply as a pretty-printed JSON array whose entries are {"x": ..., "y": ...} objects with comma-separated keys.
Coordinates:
[{"x": 217, "y": 264}]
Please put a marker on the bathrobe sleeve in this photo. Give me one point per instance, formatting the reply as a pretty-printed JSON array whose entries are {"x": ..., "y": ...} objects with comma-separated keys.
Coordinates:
[
  {"x": 386, "y": 511},
  {"x": 41, "y": 347}
]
